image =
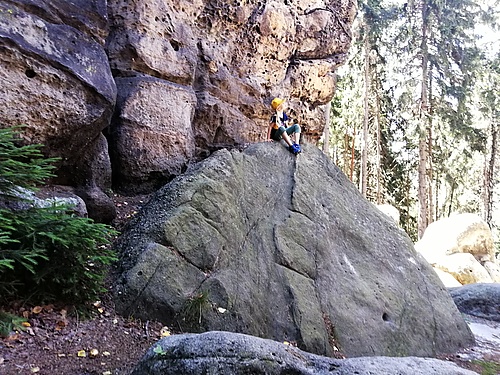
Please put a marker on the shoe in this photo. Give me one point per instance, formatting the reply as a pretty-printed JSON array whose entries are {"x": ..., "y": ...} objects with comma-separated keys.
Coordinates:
[{"x": 294, "y": 149}]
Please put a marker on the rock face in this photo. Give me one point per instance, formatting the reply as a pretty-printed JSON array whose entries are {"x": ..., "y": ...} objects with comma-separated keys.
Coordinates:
[
  {"x": 276, "y": 246},
  {"x": 57, "y": 82},
  {"x": 481, "y": 300},
  {"x": 462, "y": 246},
  {"x": 216, "y": 67},
  {"x": 225, "y": 353},
  {"x": 191, "y": 77},
  {"x": 151, "y": 147}
]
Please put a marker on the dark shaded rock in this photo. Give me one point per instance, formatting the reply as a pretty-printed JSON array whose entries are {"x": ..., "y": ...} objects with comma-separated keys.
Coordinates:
[
  {"x": 57, "y": 82},
  {"x": 225, "y": 353},
  {"x": 283, "y": 247},
  {"x": 99, "y": 205},
  {"x": 88, "y": 16},
  {"x": 481, "y": 300}
]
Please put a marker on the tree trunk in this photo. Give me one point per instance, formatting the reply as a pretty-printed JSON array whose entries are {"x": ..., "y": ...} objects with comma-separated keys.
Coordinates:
[
  {"x": 423, "y": 125},
  {"x": 353, "y": 154},
  {"x": 430, "y": 212},
  {"x": 326, "y": 133},
  {"x": 364, "y": 139},
  {"x": 379, "y": 150},
  {"x": 489, "y": 175}
]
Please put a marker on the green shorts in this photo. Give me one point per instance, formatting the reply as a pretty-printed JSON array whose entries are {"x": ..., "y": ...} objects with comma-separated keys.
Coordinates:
[{"x": 276, "y": 134}]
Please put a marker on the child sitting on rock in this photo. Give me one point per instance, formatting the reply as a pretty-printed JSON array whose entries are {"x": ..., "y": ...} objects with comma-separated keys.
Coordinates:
[{"x": 278, "y": 127}]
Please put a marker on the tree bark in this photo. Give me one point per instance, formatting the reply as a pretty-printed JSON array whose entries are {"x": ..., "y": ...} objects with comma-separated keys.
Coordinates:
[
  {"x": 422, "y": 122},
  {"x": 326, "y": 133},
  {"x": 366, "y": 114},
  {"x": 489, "y": 174}
]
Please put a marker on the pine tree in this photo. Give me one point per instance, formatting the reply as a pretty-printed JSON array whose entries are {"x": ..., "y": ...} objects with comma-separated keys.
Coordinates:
[{"x": 440, "y": 63}]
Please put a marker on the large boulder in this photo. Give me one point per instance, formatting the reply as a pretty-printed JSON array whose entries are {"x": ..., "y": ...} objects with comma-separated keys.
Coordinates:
[
  {"x": 283, "y": 247},
  {"x": 235, "y": 57},
  {"x": 461, "y": 245},
  {"x": 481, "y": 300},
  {"x": 226, "y": 353},
  {"x": 460, "y": 233},
  {"x": 464, "y": 267},
  {"x": 56, "y": 81}
]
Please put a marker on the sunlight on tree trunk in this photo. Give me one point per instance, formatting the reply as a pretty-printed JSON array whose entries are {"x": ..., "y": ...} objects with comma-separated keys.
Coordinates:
[
  {"x": 423, "y": 127},
  {"x": 326, "y": 133},
  {"x": 489, "y": 174}
]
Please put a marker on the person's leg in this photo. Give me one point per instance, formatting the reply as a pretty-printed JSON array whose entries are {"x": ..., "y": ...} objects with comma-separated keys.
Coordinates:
[
  {"x": 284, "y": 134},
  {"x": 295, "y": 130}
]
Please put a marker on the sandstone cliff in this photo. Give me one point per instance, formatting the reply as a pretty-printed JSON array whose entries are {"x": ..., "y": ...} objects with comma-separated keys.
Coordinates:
[{"x": 128, "y": 93}]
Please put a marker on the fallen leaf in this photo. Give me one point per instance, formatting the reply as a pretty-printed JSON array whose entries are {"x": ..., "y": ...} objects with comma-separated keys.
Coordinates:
[
  {"x": 82, "y": 353},
  {"x": 93, "y": 353},
  {"x": 37, "y": 309},
  {"x": 106, "y": 354},
  {"x": 26, "y": 324},
  {"x": 60, "y": 325},
  {"x": 35, "y": 370},
  {"x": 164, "y": 332},
  {"x": 13, "y": 337}
]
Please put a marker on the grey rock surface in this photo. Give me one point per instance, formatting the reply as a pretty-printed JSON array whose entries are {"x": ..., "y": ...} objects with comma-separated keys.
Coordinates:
[
  {"x": 265, "y": 243},
  {"x": 481, "y": 300},
  {"x": 225, "y": 353}
]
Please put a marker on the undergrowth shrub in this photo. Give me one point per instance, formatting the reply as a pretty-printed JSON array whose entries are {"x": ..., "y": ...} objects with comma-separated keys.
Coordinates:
[{"x": 46, "y": 254}]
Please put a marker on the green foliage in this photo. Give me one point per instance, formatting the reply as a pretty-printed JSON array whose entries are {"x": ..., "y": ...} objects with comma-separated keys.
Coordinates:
[
  {"x": 21, "y": 165},
  {"x": 159, "y": 350},
  {"x": 192, "y": 311},
  {"x": 489, "y": 368},
  {"x": 9, "y": 323},
  {"x": 46, "y": 252},
  {"x": 55, "y": 255}
]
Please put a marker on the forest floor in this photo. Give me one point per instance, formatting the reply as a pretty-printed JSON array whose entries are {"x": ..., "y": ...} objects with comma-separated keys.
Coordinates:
[{"x": 58, "y": 342}]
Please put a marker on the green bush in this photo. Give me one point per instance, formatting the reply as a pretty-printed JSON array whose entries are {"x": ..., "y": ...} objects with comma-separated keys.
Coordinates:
[
  {"x": 21, "y": 165},
  {"x": 46, "y": 254}
]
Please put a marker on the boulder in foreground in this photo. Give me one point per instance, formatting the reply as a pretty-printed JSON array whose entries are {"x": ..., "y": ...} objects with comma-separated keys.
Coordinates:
[{"x": 225, "y": 353}]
